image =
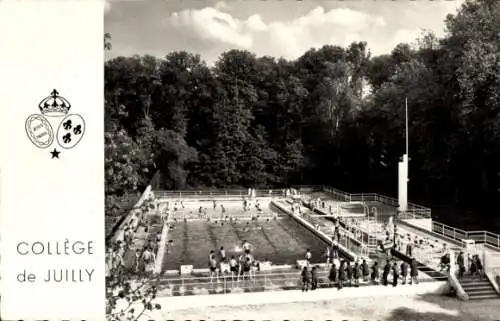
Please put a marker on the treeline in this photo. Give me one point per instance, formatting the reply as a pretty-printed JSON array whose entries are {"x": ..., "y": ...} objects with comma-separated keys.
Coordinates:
[{"x": 267, "y": 122}]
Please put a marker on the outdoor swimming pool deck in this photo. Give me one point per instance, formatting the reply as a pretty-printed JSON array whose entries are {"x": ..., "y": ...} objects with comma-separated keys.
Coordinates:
[{"x": 281, "y": 237}]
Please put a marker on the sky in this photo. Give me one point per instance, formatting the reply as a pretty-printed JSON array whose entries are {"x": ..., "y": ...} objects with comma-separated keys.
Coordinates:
[{"x": 279, "y": 28}]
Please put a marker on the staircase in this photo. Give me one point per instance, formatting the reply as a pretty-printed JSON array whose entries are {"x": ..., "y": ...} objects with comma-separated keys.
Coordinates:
[{"x": 478, "y": 289}]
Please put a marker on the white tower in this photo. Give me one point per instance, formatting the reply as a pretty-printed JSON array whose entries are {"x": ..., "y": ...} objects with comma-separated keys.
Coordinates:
[{"x": 403, "y": 171}]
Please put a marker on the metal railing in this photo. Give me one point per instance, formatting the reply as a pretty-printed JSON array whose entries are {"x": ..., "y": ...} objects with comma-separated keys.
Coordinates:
[
  {"x": 417, "y": 211},
  {"x": 216, "y": 193},
  {"x": 348, "y": 239},
  {"x": 481, "y": 237},
  {"x": 260, "y": 282}
]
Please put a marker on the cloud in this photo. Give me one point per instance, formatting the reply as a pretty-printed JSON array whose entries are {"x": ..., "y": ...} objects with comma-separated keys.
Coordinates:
[
  {"x": 267, "y": 29},
  {"x": 212, "y": 24},
  {"x": 108, "y": 4},
  {"x": 289, "y": 38},
  {"x": 407, "y": 36},
  {"x": 221, "y": 5}
]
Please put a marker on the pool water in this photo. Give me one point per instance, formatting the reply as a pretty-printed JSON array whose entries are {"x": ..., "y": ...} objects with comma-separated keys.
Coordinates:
[{"x": 281, "y": 241}]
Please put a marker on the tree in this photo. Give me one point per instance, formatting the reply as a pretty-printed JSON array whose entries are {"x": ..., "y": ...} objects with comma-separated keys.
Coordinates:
[
  {"x": 129, "y": 299},
  {"x": 263, "y": 121}
]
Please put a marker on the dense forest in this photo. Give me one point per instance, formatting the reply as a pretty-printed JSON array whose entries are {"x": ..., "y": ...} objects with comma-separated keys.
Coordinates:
[{"x": 334, "y": 116}]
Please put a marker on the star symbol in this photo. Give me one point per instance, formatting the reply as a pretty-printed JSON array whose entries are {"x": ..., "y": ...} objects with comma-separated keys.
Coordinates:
[{"x": 55, "y": 153}]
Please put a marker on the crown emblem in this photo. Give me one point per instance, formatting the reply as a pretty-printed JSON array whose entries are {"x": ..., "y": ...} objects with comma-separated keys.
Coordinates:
[{"x": 54, "y": 105}]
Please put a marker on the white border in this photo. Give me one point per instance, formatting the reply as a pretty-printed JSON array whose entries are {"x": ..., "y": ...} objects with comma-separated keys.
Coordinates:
[{"x": 46, "y": 45}]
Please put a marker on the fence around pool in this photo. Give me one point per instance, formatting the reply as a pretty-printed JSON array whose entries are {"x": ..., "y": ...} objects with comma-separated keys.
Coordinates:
[{"x": 263, "y": 281}]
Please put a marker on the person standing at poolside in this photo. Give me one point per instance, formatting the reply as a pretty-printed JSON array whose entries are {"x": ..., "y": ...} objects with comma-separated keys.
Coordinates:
[
  {"x": 305, "y": 279},
  {"x": 247, "y": 265},
  {"x": 385, "y": 273},
  {"x": 348, "y": 273},
  {"x": 308, "y": 257},
  {"x": 314, "y": 278},
  {"x": 404, "y": 272},
  {"x": 365, "y": 270},
  {"x": 461, "y": 264},
  {"x": 246, "y": 247},
  {"x": 413, "y": 271},
  {"x": 342, "y": 275},
  {"x": 213, "y": 269},
  {"x": 395, "y": 274},
  {"x": 222, "y": 254},
  {"x": 233, "y": 267},
  {"x": 332, "y": 276},
  {"x": 241, "y": 263},
  {"x": 148, "y": 258},
  {"x": 335, "y": 249},
  {"x": 356, "y": 273},
  {"x": 375, "y": 273},
  {"x": 327, "y": 256}
]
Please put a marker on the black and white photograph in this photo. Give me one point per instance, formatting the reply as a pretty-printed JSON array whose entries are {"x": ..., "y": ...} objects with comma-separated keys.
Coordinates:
[{"x": 302, "y": 160}]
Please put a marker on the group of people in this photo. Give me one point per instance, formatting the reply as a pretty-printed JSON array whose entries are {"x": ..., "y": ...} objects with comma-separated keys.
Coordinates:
[
  {"x": 125, "y": 241},
  {"x": 353, "y": 273},
  {"x": 473, "y": 262},
  {"x": 244, "y": 266},
  {"x": 219, "y": 211},
  {"x": 424, "y": 247},
  {"x": 145, "y": 258}
]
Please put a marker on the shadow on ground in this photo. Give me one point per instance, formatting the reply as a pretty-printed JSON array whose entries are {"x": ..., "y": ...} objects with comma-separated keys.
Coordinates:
[{"x": 453, "y": 309}]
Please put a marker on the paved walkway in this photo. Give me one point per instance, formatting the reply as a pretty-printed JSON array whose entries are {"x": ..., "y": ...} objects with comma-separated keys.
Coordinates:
[{"x": 397, "y": 307}]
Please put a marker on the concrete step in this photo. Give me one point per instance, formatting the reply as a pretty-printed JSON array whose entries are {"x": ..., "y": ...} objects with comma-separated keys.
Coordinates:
[
  {"x": 485, "y": 297},
  {"x": 477, "y": 287},
  {"x": 474, "y": 281},
  {"x": 477, "y": 292}
]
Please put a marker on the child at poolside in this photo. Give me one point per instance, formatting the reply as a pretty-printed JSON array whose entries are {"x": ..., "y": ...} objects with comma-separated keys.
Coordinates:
[
  {"x": 305, "y": 279},
  {"x": 233, "y": 267}
]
